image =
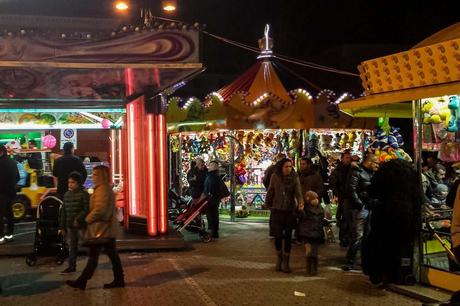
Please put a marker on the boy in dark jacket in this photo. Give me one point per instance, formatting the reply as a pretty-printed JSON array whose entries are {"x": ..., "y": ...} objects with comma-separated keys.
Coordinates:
[
  {"x": 312, "y": 221},
  {"x": 73, "y": 213}
]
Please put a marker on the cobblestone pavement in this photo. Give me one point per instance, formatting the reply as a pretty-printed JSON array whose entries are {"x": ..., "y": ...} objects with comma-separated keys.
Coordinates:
[{"x": 236, "y": 270}]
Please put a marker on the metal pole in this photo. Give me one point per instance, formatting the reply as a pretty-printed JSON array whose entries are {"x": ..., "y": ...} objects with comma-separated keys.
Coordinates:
[{"x": 232, "y": 179}]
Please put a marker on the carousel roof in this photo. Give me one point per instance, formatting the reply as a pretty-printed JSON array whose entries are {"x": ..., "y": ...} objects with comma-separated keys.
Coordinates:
[{"x": 264, "y": 81}]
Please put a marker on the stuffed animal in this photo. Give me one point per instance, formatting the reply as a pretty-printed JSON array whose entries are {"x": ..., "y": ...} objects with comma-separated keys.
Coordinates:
[{"x": 454, "y": 105}]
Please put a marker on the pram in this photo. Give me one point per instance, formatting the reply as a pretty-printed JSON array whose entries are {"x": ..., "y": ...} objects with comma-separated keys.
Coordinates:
[
  {"x": 177, "y": 204},
  {"x": 48, "y": 241},
  {"x": 190, "y": 219}
]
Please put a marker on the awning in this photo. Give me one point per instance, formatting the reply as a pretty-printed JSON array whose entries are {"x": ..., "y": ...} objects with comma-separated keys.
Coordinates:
[{"x": 385, "y": 103}]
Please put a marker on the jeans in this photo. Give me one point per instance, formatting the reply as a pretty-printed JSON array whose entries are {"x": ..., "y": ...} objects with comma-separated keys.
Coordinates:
[
  {"x": 111, "y": 250},
  {"x": 358, "y": 229},
  {"x": 6, "y": 212},
  {"x": 212, "y": 215},
  {"x": 283, "y": 223},
  {"x": 343, "y": 220},
  {"x": 73, "y": 235}
]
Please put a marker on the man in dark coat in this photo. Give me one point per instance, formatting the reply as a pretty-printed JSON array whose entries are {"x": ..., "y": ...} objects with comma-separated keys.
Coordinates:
[
  {"x": 310, "y": 177},
  {"x": 196, "y": 177},
  {"x": 213, "y": 189},
  {"x": 65, "y": 165},
  {"x": 9, "y": 176},
  {"x": 359, "y": 205},
  {"x": 338, "y": 181}
]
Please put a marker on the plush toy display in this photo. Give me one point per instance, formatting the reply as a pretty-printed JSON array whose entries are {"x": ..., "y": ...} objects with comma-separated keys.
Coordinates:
[{"x": 388, "y": 146}]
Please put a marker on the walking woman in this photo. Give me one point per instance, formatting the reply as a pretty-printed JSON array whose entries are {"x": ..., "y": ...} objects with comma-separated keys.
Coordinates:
[
  {"x": 284, "y": 196},
  {"x": 100, "y": 231}
]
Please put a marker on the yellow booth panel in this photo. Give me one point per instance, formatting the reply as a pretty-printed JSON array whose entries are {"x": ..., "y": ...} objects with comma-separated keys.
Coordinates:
[{"x": 378, "y": 105}]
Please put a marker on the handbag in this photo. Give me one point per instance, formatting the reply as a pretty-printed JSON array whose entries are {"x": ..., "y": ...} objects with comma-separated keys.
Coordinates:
[{"x": 99, "y": 232}]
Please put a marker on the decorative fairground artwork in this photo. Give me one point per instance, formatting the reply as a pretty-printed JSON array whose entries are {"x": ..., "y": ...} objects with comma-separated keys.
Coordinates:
[{"x": 59, "y": 66}]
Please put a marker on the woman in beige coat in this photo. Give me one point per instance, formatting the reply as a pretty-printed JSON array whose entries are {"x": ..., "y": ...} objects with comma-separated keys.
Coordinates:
[{"x": 100, "y": 231}]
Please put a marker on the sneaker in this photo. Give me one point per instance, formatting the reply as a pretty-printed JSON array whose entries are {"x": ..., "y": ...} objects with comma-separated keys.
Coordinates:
[
  {"x": 2, "y": 241},
  {"x": 9, "y": 238},
  {"x": 68, "y": 271}
]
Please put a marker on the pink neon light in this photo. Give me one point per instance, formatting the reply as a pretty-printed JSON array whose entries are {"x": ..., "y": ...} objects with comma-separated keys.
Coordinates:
[
  {"x": 152, "y": 205},
  {"x": 112, "y": 154},
  {"x": 132, "y": 159},
  {"x": 129, "y": 79},
  {"x": 120, "y": 152},
  {"x": 162, "y": 177}
]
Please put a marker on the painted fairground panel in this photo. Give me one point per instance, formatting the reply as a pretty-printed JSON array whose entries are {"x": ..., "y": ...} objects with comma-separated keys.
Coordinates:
[{"x": 62, "y": 66}]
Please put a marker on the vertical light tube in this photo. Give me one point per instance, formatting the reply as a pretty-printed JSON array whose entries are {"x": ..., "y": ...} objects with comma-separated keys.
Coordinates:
[
  {"x": 132, "y": 165},
  {"x": 162, "y": 171},
  {"x": 120, "y": 153},
  {"x": 113, "y": 150},
  {"x": 152, "y": 177}
]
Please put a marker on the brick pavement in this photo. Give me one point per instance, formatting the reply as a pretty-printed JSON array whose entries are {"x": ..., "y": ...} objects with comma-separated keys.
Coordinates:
[{"x": 236, "y": 270}]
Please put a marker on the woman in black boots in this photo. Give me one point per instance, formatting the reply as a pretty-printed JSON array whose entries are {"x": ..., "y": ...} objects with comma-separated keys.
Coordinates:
[
  {"x": 100, "y": 231},
  {"x": 284, "y": 195}
]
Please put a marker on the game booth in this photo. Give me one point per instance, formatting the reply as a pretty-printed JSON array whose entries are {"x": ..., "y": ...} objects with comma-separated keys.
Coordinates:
[
  {"x": 423, "y": 84},
  {"x": 245, "y": 124}
]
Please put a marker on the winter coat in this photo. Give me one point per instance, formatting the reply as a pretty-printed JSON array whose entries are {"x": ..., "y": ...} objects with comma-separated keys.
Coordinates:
[
  {"x": 312, "y": 222},
  {"x": 65, "y": 165},
  {"x": 284, "y": 193},
  {"x": 212, "y": 188},
  {"x": 9, "y": 176},
  {"x": 455, "y": 225},
  {"x": 312, "y": 181},
  {"x": 196, "y": 178},
  {"x": 339, "y": 181},
  {"x": 267, "y": 175},
  {"x": 360, "y": 180},
  {"x": 101, "y": 216},
  {"x": 429, "y": 183},
  {"x": 75, "y": 208}
]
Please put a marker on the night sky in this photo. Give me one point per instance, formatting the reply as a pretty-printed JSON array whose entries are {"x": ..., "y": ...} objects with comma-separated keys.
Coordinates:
[{"x": 334, "y": 33}]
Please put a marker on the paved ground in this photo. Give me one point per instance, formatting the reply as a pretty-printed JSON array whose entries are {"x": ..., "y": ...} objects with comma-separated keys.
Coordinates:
[{"x": 236, "y": 270}]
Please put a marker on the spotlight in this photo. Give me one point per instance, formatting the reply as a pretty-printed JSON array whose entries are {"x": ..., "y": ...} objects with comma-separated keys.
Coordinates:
[
  {"x": 169, "y": 5},
  {"x": 121, "y": 5}
]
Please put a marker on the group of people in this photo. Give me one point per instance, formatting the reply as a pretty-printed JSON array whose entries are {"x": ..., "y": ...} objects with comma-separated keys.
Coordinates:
[
  {"x": 367, "y": 197},
  {"x": 206, "y": 184},
  {"x": 91, "y": 218}
]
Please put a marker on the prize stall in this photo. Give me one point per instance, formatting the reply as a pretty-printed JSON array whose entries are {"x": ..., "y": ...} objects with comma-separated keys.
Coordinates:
[
  {"x": 246, "y": 123},
  {"x": 428, "y": 75}
]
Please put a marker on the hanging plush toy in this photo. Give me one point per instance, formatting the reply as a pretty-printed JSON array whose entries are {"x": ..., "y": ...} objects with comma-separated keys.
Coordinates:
[
  {"x": 294, "y": 143},
  {"x": 240, "y": 136},
  {"x": 240, "y": 173},
  {"x": 175, "y": 144},
  {"x": 454, "y": 105}
]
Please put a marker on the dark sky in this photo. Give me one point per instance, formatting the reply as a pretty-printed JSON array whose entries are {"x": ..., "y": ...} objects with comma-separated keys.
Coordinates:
[{"x": 334, "y": 33}]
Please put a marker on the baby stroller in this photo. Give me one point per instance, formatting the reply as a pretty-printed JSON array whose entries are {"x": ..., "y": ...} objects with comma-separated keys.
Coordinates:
[
  {"x": 190, "y": 220},
  {"x": 48, "y": 241}
]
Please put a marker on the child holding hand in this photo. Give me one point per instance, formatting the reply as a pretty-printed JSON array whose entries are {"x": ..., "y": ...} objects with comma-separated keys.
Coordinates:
[{"x": 311, "y": 233}]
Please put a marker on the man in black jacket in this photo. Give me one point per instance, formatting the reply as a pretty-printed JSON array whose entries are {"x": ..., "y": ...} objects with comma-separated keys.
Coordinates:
[
  {"x": 65, "y": 165},
  {"x": 9, "y": 176},
  {"x": 359, "y": 205},
  {"x": 213, "y": 190},
  {"x": 339, "y": 181},
  {"x": 196, "y": 177}
]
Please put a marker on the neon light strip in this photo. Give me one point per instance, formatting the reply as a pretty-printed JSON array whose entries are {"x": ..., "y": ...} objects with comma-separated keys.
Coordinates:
[
  {"x": 152, "y": 205},
  {"x": 132, "y": 160},
  {"x": 162, "y": 161},
  {"x": 120, "y": 154},
  {"x": 14, "y": 126},
  {"x": 112, "y": 154},
  {"x": 60, "y": 100},
  {"x": 62, "y": 110}
]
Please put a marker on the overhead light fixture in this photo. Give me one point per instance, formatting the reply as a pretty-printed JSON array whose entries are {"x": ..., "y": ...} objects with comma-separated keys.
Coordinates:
[
  {"x": 169, "y": 5},
  {"x": 121, "y": 5}
]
